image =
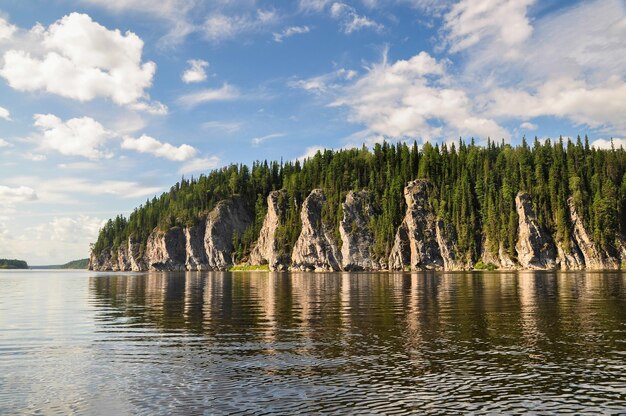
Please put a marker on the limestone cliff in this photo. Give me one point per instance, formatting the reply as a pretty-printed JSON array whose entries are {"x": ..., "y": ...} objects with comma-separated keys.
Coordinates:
[
  {"x": 315, "y": 248},
  {"x": 595, "y": 259},
  {"x": 266, "y": 250},
  {"x": 535, "y": 248},
  {"x": 165, "y": 251},
  {"x": 500, "y": 259},
  {"x": 356, "y": 238},
  {"x": 228, "y": 216},
  {"x": 195, "y": 256},
  {"x": 416, "y": 245},
  {"x": 448, "y": 248}
]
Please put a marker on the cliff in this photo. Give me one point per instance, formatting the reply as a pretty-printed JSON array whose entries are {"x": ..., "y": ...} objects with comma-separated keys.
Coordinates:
[
  {"x": 266, "y": 250},
  {"x": 535, "y": 248},
  {"x": 356, "y": 237},
  {"x": 315, "y": 248},
  {"x": 422, "y": 240}
]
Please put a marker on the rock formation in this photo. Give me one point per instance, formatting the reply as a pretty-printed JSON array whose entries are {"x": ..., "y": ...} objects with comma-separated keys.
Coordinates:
[
  {"x": 315, "y": 248},
  {"x": 535, "y": 248},
  {"x": 195, "y": 256},
  {"x": 595, "y": 259},
  {"x": 356, "y": 238},
  {"x": 416, "y": 239},
  {"x": 166, "y": 251},
  {"x": 446, "y": 239},
  {"x": 266, "y": 250},
  {"x": 228, "y": 217},
  {"x": 501, "y": 259}
]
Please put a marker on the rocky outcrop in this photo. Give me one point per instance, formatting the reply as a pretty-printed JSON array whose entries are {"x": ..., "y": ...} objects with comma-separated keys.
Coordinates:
[
  {"x": 448, "y": 249},
  {"x": 415, "y": 246},
  {"x": 228, "y": 217},
  {"x": 267, "y": 250},
  {"x": 315, "y": 248},
  {"x": 500, "y": 259},
  {"x": 535, "y": 248},
  {"x": 569, "y": 259},
  {"x": 166, "y": 251},
  {"x": 123, "y": 259},
  {"x": 595, "y": 259},
  {"x": 356, "y": 238},
  {"x": 135, "y": 256},
  {"x": 195, "y": 256},
  {"x": 102, "y": 263}
]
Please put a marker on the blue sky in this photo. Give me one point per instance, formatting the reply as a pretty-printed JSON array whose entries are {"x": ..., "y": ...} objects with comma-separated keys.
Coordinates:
[{"x": 104, "y": 103}]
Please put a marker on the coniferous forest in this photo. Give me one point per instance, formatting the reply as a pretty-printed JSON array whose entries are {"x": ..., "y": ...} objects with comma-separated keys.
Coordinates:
[{"x": 474, "y": 189}]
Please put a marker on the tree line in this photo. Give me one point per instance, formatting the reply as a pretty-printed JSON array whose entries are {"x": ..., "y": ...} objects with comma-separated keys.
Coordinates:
[{"x": 474, "y": 189}]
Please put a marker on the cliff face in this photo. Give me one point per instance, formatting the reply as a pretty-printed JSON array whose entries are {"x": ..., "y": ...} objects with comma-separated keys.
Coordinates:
[
  {"x": 422, "y": 241},
  {"x": 315, "y": 248},
  {"x": 195, "y": 256},
  {"x": 228, "y": 217},
  {"x": 535, "y": 248},
  {"x": 595, "y": 259},
  {"x": 266, "y": 250},
  {"x": 356, "y": 237},
  {"x": 166, "y": 251},
  {"x": 416, "y": 238}
]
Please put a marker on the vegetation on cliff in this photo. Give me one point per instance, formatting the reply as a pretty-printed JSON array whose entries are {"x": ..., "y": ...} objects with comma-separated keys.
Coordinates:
[
  {"x": 473, "y": 189},
  {"x": 13, "y": 264}
]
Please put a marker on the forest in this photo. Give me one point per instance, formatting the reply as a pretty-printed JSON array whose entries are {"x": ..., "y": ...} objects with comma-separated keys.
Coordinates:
[{"x": 474, "y": 189}]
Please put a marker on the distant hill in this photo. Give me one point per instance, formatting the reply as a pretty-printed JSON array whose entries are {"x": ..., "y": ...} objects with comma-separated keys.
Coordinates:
[
  {"x": 13, "y": 264},
  {"x": 75, "y": 264}
]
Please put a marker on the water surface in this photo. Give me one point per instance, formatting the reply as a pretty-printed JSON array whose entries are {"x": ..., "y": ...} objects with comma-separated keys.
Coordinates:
[{"x": 250, "y": 343}]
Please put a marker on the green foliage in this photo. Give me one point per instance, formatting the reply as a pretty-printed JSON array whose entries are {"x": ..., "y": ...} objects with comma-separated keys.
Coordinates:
[
  {"x": 473, "y": 189},
  {"x": 13, "y": 264},
  {"x": 249, "y": 268},
  {"x": 484, "y": 266}
]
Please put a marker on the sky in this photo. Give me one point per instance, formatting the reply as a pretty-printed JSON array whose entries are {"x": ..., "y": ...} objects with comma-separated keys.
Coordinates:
[{"x": 106, "y": 103}]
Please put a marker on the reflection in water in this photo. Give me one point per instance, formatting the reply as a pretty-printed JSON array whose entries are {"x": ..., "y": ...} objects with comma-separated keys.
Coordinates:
[{"x": 358, "y": 342}]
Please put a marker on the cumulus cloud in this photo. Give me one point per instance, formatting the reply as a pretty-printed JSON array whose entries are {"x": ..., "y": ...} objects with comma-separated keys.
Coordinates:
[
  {"x": 75, "y": 137},
  {"x": 614, "y": 143},
  {"x": 219, "y": 27},
  {"x": 4, "y": 114},
  {"x": 470, "y": 21},
  {"x": 410, "y": 98},
  {"x": 350, "y": 20},
  {"x": 226, "y": 93},
  {"x": 528, "y": 126},
  {"x": 196, "y": 71},
  {"x": 9, "y": 195},
  {"x": 4, "y": 143},
  {"x": 80, "y": 59},
  {"x": 290, "y": 31},
  {"x": 200, "y": 165},
  {"x": 6, "y": 30},
  {"x": 147, "y": 144},
  {"x": 310, "y": 152}
]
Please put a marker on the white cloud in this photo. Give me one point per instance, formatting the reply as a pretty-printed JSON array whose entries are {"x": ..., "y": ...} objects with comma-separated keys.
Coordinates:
[
  {"x": 199, "y": 165},
  {"x": 75, "y": 137},
  {"x": 173, "y": 12},
  {"x": 290, "y": 31},
  {"x": 226, "y": 93},
  {"x": 219, "y": 27},
  {"x": 225, "y": 126},
  {"x": 35, "y": 157},
  {"x": 410, "y": 98},
  {"x": 351, "y": 21},
  {"x": 80, "y": 59},
  {"x": 196, "y": 71},
  {"x": 68, "y": 230},
  {"x": 310, "y": 152},
  {"x": 313, "y": 5},
  {"x": 324, "y": 83},
  {"x": 259, "y": 140},
  {"x": 4, "y": 113},
  {"x": 608, "y": 144},
  {"x": 568, "y": 98},
  {"x": 10, "y": 195},
  {"x": 4, "y": 143},
  {"x": 6, "y": 30},
  {"x": 528, "y": 126},
  {"x": 470, "y": 21},
  {"x": 147, "y": 144}
]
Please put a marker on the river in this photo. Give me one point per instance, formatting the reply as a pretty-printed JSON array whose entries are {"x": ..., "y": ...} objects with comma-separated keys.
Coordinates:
[{"x": 290, "y": 343}]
